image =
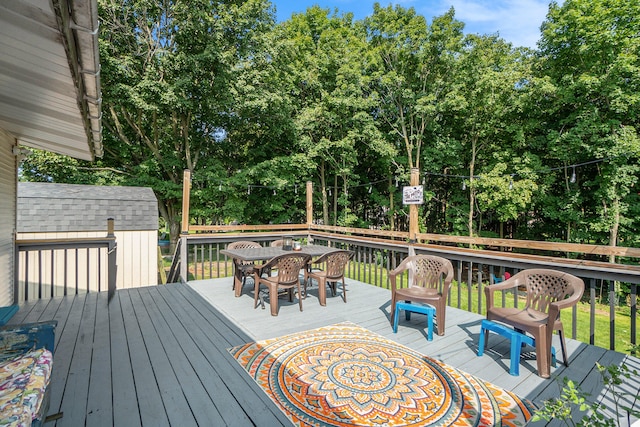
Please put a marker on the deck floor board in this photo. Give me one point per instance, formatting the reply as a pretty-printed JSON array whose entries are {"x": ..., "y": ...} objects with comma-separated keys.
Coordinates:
[
  {"x": 175, "y": 402},
  {"x": 158, "y": 356},
  {"x": 125, "y": 403},
  {"x": 151, "y": 407},
  {"x": 99, "y": 404}
]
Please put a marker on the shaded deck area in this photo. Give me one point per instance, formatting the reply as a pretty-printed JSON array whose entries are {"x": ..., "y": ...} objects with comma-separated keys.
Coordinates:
[{"x": 157, "y": 356}]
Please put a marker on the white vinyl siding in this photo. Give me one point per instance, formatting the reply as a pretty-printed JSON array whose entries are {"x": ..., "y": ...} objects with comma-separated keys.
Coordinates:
[{"x": 8, "y": 178}]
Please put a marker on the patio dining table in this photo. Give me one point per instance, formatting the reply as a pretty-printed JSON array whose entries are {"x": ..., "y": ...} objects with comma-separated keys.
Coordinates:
[{"x": 266, "y": 253}]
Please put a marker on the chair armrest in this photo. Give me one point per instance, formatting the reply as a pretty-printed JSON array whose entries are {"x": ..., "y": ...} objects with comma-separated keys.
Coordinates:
[
  {"x": 403, "y": 266},
  {"x": 398, "y": 270},
  {"x": 510, "y": 283},
  {"x": 567, "y": 302},
  {"x": 320, "y": 259}
]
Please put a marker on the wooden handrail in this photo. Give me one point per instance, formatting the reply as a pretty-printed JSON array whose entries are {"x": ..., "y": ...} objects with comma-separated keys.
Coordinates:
[
  {"x": 244, "y": 227},
  {"x": 534, "y": 244},
  {"x": 577, "y": 248}
]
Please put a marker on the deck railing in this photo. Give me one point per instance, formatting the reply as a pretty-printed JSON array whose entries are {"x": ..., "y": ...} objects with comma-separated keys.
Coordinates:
[
  {"x": 377, "y": 252},
  {"x": 46, "y": 268}
]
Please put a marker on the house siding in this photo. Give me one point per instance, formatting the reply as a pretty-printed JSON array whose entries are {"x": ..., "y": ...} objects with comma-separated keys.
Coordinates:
[{"x": 8, "y": 185}]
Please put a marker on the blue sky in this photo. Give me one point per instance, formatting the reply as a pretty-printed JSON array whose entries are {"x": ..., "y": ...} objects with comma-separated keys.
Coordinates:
[{"x": 517, "y": 21}]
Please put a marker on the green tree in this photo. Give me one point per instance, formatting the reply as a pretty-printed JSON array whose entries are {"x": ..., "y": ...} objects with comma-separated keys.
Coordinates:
[
  {"x": 332, "y": 109},
  {"x": 168, "y": 70},
  {"x": 490, "y": 138},
  {"x": 410, "y": 64},
  {"x": 590, "y": 52}
]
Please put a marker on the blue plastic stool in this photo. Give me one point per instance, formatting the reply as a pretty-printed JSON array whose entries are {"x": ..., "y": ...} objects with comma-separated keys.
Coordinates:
[
  {"x": 408, "y": 308},
  {"x": 517, "y": 340}
]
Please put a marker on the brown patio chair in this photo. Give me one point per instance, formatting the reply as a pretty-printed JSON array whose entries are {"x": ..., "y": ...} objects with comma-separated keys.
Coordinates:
[
  {"x": 243, "y": 269},
  {"x": 287, "y": 277},
  {"x": 547, "y": 292},
  {"x": 428, "y": 282},
  {"x": 277, "y": 243},
  {"x": 335, "y": 263}
]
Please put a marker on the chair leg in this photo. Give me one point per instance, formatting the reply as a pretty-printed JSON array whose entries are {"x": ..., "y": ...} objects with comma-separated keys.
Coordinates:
[
  {"x": 344, "y": 290},
  {"x": 299, "y": 296},
  {"x": 322, "y": 291},
  {"x": 395, "y": 323},
  {"x": 307, "y": 281},
  {"x": 256, "y": 295},
  {"x": 393, "y": 307},
  {"x": 244, "y": 281},
  {"x": 441, "y": 311},
  {"x": 542, "y": 354},
  {"x": 273, "y": 300},
  {"x": 333, "y": 285}
]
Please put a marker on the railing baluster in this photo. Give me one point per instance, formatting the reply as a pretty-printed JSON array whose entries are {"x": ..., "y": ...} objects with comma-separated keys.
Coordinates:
[
  {"x": 39, "y": 274},
  {"x": 52, "y": 273},
  {"x": 218, "y": 261},
  {"x": 592, "y": 311},
  {"x": 88, "y": 270},
  {"x": 210, "y": 260},
  {"x": 469, "y": 285},
  {"x": 77, "y": 268},
  {"x": 26, "y": 276},
  {"x": 634, "y": 313},
  {"x": 460, "y": 266},
  {"x": 359, "y": 252},
  {"x": 66, "y": 272},
  {"x": 612, "y": 315},
  {"x": 574, "y": 321},
  {"x": 480, "y": 268}
]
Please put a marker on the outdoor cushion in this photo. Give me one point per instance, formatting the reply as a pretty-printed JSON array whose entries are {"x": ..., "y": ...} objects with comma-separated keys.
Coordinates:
[{"x": 23, "y": 382}]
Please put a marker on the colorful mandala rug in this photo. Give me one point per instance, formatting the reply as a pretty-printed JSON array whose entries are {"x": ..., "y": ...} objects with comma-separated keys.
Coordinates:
[{"x": 345, "y": 375}]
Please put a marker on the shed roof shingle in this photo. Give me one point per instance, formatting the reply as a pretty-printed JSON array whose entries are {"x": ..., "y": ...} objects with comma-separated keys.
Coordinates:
[{"x": 49, "y": 207}]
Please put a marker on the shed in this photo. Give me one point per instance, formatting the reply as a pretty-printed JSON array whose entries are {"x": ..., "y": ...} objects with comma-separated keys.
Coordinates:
[{"x": 64, "y": 211}]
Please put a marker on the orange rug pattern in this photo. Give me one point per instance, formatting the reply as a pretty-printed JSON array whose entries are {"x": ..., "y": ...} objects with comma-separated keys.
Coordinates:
[{"x": 345, "y": 375}]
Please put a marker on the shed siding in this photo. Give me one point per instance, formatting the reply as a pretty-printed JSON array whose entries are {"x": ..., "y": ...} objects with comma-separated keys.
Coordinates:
[
  {"x": 8, "y": 184},
  {"x": 137, "y": 262}
]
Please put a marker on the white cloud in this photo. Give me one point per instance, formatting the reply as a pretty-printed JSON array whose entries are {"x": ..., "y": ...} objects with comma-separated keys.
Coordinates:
[{"x": 517, "y": 21}]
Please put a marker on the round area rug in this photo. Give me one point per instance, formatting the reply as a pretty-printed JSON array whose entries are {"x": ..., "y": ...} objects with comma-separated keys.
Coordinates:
[{"x": 344, "y": 375}]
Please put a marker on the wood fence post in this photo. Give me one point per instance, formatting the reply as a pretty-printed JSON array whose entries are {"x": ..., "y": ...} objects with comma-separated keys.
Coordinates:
[
  {"x": 309, "y": 203},
  {"x": 186, "y": 194},
  {"x": 309, "y": 211},
  {"x": 413, "y": 209},
  {"x": 184, "y": 259}
]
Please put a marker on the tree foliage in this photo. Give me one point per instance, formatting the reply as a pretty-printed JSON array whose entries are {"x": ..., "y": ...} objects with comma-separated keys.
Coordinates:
[{"x": 509, "y": 141}]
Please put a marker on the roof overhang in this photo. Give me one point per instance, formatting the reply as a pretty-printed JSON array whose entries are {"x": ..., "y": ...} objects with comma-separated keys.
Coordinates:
[{"x": 50, "y": 95}]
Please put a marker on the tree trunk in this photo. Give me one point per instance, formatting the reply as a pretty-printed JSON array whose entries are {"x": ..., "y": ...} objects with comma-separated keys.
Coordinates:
[{"x": 167, "y": 211}]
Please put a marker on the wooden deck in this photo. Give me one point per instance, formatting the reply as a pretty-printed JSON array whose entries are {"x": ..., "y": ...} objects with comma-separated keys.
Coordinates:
[{"x": 157, "y": 356}]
